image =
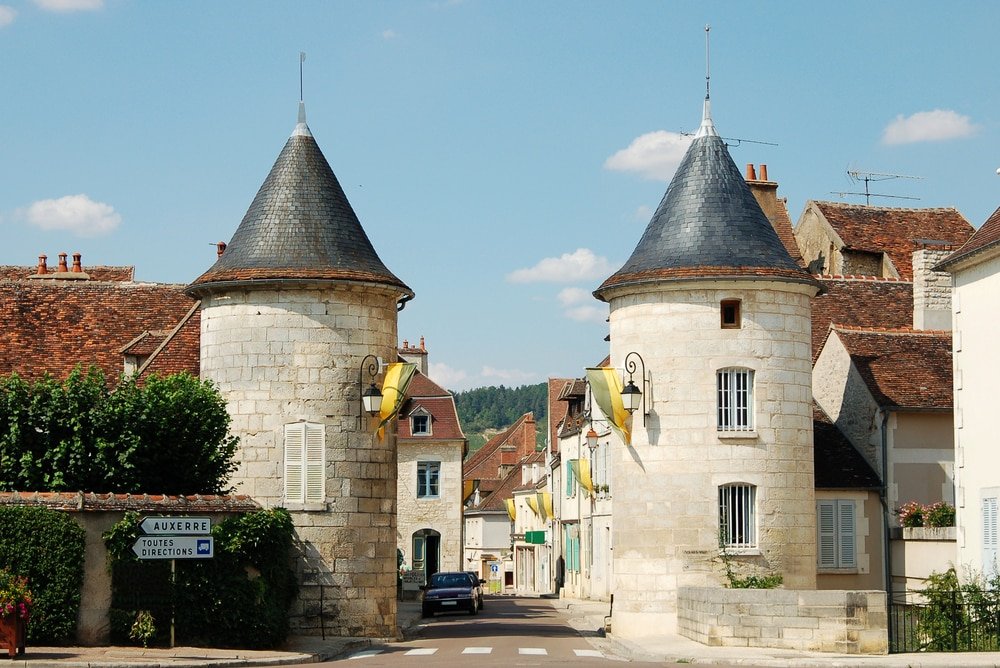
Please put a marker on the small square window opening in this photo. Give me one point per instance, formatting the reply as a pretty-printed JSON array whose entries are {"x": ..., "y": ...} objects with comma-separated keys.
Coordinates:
[{"x": 730, "y": 313}]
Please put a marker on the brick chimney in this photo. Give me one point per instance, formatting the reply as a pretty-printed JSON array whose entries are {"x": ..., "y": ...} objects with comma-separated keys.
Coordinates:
[
  {"x": 42, "y": 265},
  {"x": 220, "y": 248},
  {"x": 766, "y": 194},
  {"x": 415, "y": 354}
]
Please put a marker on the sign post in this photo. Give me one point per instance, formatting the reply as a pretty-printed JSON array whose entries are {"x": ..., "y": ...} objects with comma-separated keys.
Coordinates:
[{"x": 175, "y": 538}]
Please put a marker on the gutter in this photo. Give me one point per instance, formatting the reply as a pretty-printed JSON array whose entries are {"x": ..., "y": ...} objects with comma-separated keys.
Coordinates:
[{"x": 884, "y": 498}]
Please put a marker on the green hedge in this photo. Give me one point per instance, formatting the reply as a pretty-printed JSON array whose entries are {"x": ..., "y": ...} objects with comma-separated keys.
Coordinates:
[
  {"x": 240, "y": 598},
  {"x": 47, "y": 546}
]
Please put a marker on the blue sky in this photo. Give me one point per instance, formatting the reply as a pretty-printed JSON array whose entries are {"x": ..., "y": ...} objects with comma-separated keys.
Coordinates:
[{"x": 504, "y": 157}]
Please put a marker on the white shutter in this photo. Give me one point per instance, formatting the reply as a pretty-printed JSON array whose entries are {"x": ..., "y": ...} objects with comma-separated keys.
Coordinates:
[
  {"x": 990, "y": 535},
  {"x": 314, "y": 469},
  {"x": 826, "y": 523},
  {"x": 294, "y": 437},
  {"x": 847, "y": 534}
]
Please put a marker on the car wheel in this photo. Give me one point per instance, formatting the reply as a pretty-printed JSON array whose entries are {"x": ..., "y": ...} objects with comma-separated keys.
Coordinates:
[
  {"x": 426, "y": 612},
  {"x": 481, "y": 604},
  {"x": 474, "y": 610}
]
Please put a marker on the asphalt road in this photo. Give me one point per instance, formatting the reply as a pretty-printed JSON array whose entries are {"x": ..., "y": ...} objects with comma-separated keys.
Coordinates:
[{"x": 507, "y": 632}]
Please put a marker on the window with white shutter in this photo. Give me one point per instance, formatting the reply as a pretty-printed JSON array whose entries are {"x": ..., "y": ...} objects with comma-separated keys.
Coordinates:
[
  {"x": 836, "y": 526},
  {"x": 990, "y": 535},
  {"x": 305, "y": 448}
]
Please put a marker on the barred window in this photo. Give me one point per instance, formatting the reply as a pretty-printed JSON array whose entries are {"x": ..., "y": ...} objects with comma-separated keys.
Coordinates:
[
  {"x": 738, "y": 516},
  {"x": 735, "y": 397}
]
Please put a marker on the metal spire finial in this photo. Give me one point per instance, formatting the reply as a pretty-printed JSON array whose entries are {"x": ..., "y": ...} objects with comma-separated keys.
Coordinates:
[
  {"x": 301, "y": 129},
  {"x": 707, "y": 127}
]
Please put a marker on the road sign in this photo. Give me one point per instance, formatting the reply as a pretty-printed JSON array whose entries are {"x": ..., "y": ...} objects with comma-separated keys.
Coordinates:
[
  {"x": 176, "y": 526},
  {"x": 494, "y": 568},
  {"x": 174, "y": 547}
]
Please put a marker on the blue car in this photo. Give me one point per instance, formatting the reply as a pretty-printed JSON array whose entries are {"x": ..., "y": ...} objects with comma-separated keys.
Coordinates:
[{"x": 451, "y": 591}]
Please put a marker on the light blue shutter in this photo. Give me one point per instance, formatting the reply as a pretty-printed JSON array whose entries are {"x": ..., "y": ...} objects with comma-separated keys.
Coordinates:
[
  {"x": 826, "y": 522},
  {"x": 569, "y": 478},
  {"x": 990, "y": 535},
  {"x": 847, "y": 534}
]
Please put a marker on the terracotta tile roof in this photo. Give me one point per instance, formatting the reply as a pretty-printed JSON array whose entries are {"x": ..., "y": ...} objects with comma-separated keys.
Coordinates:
[
  {"x": 51, "y": 326},
  {"x": 836, "y": 463},
  {"x": 180, "y": 351},
  {"x": 987, "y": 236},
  {"x": 504, "y": 449},
  {"x": 98, "y": 273},
  {"x": 84, "y": 502},
  {"x": 495, "y": 500},
  {"x": 425, "y": 393},
  {"x": 859, "y": 301},
  {"x": 902, "y": 368},
  {"x": 898, "y": 232},
  {"x": 556, "y": 410}
]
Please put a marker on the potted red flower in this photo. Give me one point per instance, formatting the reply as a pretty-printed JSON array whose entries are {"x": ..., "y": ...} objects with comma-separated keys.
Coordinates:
[{"x": 15, "y": 610}]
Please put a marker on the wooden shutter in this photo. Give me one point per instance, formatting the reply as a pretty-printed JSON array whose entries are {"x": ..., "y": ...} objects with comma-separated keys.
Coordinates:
[
  {"x": 826, "y": 522},
  {"x": 294, "y": 447},
  {"x": 846, "y": 534},
  {"x": 315, "y": 474}
]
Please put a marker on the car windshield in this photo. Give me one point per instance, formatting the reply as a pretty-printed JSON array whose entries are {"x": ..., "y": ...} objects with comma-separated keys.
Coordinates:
[{"x": 450, "y": 580}]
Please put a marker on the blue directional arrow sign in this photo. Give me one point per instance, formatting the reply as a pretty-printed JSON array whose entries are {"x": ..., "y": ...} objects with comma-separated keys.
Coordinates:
[{"x": 174, "y": 547}]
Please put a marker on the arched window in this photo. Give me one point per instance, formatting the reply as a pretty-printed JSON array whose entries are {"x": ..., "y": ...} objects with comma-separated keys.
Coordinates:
[
  {"x": 738, "y": 516},
  {"x": 735, "y": 399}
]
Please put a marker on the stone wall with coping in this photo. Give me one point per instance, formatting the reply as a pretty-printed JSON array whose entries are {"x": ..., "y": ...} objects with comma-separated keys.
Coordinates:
[
  {"x": 281, "y": 356},
  {"x": 931, "y": 290},
  {"x": 846, "y": 622},
  {"x": 666, "y": 519}
]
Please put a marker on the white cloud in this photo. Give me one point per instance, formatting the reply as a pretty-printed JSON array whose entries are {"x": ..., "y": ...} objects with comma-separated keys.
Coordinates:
[
  {"x": 445, "y": 376},
  {"x": 70, "y": 5},
  {"x": 508, "y": 376},
  {"x": 7, "y": 15},
  {"x": 654, "y": 155},
  {"x": 388, "y": 34},
  {"x": 588, "y": 313},
  {"x": 936, "y": 125},
  {"x": 75, "y": 213},
  {"x": 570, "y": 296},
  {"x": 643, "y": 213},
  {"x": 580, "y": 265}
]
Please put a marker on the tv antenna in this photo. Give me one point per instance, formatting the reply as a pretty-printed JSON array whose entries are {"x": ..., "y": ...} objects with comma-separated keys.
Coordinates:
[{"x": 858, "y": 175}]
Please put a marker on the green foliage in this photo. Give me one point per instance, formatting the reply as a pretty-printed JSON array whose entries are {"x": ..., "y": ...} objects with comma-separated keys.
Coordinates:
[
  {"x": 960, "y": 615},
  {"x": 492, "y": 408},
  {"x": 47, "y": 547},
  {"x": 769, "y": 581},
  {"x": 240, "y": 598},
  {"x": 170, "y": 435},
  {"x": 143, "y": 628},
  {"x": 940, "y": 514}
]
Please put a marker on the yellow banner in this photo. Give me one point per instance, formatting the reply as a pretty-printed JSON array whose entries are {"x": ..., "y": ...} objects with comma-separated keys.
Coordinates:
[
  {"x": 468, "y": 487},
  {"x": 584, "y": 477},
  {"x": 533, "y": 504},
  {"x": 606, "y": 388},
  {"x": 510, "y": 509},
  {"x": 547, "y": 503},
  {"x": 397, "y": 379}
]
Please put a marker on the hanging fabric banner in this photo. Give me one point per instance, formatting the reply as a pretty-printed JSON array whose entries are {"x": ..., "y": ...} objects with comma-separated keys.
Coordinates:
[
  {"x": 584, "y": 476},
  {"x": 543, "y": 510},
  {"x": 606, "y": 388},
  {"x": 397, "y": 379},
  {"x": 511, "y": 511},
  {"x": 468, "y": 487},
  {"x": 533, "y": 504},
  {"x": 547, "y": 503}
]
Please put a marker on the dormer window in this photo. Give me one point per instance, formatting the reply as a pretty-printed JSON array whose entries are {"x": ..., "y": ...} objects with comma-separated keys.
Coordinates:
[
  {"x": 133, "y": 362},
  {"x": 731, "y": 316},
  {"x": 420, "y": 422}
]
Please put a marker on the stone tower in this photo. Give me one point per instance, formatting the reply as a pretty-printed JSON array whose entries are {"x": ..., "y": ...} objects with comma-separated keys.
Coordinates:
[
  {"x": 293, "y": 305},
  {"x": 719, "y": 313}
]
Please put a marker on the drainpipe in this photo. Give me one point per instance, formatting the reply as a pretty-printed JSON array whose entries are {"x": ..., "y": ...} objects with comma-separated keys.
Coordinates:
[{"x": 884, "y": 498}]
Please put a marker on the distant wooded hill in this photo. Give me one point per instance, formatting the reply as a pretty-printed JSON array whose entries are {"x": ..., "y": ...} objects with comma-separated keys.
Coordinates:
[{"x": 485, "y": 411}]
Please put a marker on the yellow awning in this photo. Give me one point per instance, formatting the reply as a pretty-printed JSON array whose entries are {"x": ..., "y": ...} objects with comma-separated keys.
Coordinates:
[
  {"x": 510, "y": 509},
  {"x": 533, "y": 504},
  {"x": 547, "y": 503},
  {"x": 397, "y": 379},
  {"x": 584, "y": 476}
]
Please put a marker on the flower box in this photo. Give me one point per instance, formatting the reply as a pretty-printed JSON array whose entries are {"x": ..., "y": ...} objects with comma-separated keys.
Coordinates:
[{"x": 12, "y": 634}]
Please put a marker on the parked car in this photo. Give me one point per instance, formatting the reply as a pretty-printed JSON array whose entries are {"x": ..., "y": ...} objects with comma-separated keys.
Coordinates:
[
  {"x": 450, "y": 591},
  {"x": 479, "y": 586}
]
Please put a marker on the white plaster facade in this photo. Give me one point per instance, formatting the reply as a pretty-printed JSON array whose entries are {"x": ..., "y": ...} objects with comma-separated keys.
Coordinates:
[
  {"x": 290, "y": 355},
  {"x": 666, "y": 519},
  {"x": 977, "y": 367}
]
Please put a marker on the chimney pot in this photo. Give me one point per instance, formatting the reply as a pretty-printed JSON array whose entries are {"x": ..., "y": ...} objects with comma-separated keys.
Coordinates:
[
  {"x": 77, "y": 264},
  {"x": 406, "y": 344},
  {"x": 220, "y": 248},
  {"x": 422, "y": 343},
  {"x": 763, "y": 172},
  {"x": 751, "y": 174},
  {"x": 42, "y": 268},
  {"x": 63, "y": 268}
]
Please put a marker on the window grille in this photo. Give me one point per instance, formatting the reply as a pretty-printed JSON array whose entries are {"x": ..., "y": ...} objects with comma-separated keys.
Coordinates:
[
  {"x": 738, "y": 516},
  {"x": 735, "y": 397},
  {"x": 305, "y": 447},
  {"x": 428, "y": 479}
]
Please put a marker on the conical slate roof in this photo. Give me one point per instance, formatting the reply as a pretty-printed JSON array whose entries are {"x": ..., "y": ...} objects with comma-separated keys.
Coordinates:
[
  {"x": 300, "y": 226},
  {"x": 708, "y": 225}
]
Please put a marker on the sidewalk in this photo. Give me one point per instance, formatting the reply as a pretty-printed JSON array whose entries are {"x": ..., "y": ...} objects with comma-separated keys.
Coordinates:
[{"x": 588, "y": 618}]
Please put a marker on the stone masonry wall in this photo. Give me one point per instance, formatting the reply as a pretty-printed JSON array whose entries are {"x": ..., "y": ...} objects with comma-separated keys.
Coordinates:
[
  {"x": 846, "y": 622},
  {"x": 290, "y": 355},
  {"x": 931, "y": 291},
  {"x": 666, "y": 520},
  {"x": 442, "y": 514}
]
